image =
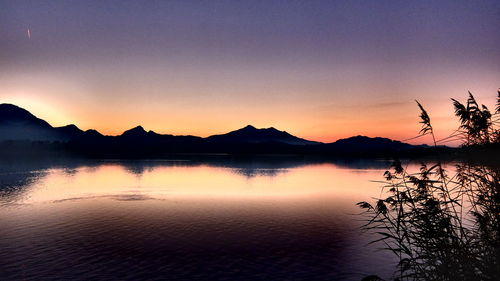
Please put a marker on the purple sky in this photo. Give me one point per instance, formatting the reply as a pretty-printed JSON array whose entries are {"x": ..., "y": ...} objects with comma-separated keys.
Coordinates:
[{"x": 319, "y": 69}]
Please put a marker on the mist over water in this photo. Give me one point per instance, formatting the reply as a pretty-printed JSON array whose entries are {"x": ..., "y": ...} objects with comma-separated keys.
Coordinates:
[{"x": 187, "y": 220}]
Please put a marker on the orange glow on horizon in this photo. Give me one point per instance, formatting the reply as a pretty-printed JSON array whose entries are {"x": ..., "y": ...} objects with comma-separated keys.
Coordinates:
[
  {"x": 322, "y": 128},
  {"x": 313, "y": 119},
  {"x": 181, "y": 69}
]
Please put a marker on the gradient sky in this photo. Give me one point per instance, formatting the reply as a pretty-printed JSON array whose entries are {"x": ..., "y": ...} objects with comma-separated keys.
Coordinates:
[{"x": 321, "y": 70}]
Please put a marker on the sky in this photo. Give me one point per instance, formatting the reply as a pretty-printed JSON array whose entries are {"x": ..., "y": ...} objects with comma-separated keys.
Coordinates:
[{"x": 321, "y": 70}]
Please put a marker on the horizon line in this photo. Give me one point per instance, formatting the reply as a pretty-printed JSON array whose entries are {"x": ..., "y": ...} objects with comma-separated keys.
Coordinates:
[{"x": 215, "y": 134}]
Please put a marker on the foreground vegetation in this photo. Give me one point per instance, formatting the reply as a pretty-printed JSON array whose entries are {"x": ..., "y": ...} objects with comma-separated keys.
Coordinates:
[{"x": 444, "y": 224}]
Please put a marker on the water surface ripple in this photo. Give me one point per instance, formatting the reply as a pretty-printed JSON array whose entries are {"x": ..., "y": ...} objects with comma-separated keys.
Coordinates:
[{"x": 168, "y": 220}]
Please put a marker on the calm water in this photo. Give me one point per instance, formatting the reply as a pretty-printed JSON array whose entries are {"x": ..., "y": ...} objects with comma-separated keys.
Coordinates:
[{"x": 187, "y": 220}]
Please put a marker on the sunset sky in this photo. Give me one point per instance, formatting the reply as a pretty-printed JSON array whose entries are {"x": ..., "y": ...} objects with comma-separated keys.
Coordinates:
[{"x": 321, "y": 70}]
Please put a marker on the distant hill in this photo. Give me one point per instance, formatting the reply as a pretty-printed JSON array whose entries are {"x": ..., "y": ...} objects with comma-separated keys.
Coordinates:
[
  {"x": 250, "y": 134},
  {"x": 141, "y": 135},
  {"x": 17, "y": 124},
  {"x": 367, "y": 144},
  {"x": 12, "y": 115},
  {"x": 362, "y": 146},
  {"x": 136, "y": 132},
  {"x": 69, "y": 132}
]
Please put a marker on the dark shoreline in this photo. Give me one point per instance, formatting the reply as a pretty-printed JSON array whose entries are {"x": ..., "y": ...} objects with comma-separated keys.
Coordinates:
[{"x": 27, "y": 150}]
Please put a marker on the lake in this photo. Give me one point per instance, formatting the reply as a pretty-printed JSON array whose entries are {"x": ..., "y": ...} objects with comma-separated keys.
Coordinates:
[{"x": 222, "y": 219}]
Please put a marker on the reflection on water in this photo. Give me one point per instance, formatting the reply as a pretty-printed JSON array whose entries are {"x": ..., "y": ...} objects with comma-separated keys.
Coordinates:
[{"x": 216, "y": 220}]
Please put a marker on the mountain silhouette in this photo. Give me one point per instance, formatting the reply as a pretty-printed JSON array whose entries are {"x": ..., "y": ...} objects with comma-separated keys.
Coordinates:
[
  {"x": 91, "y": 133},
  {"x": 18, "y": 124},
  {"x": 69, "y": 132},
  {"x": 250, "y": 134},
  {"x": 136, "y": 132},
  {"x": 367, "y": 144},
  {"x": 12, "y": 115}
]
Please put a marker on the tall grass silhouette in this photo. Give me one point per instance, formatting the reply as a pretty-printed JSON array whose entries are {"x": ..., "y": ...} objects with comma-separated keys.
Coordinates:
[{"x": 442, "y": 225}]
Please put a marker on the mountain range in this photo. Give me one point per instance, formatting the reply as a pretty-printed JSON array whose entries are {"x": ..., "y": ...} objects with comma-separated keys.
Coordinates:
[{"x": 19, "y": 125}]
